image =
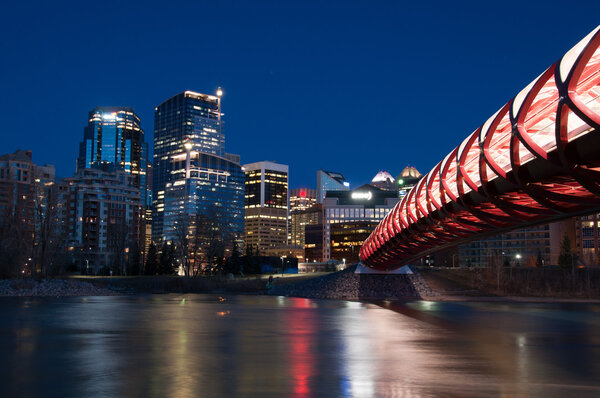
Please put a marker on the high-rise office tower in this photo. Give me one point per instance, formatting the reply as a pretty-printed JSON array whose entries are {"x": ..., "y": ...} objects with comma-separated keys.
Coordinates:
[
  {"x": 330, "y": 181},
  {"x": 189, "y": 152},
  {"x": 114, "y": 135},
  {"x": 213, "y": 190},
  {"x": 266, "y": 209},
  {"x": 301, "y": 199}
]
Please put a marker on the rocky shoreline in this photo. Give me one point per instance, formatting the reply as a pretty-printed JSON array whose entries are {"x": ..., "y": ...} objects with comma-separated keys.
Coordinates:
[
  {"x": 343, "y": 285},
  {"x": 346, "y": 285},
  {"x": 51, "y": 288}
]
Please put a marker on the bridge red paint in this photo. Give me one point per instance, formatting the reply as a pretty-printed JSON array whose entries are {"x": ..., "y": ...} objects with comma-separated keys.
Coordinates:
[{"x": 535, "y": 161}]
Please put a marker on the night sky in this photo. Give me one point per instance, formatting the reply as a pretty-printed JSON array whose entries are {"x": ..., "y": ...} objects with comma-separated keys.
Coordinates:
[{"x": 350, "y": 86}]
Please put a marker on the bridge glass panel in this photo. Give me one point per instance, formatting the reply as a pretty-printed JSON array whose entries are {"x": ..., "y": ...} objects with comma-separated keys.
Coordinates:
[
  {"x": 499, "y": 148},
  {"x": 540, "y": 120}
]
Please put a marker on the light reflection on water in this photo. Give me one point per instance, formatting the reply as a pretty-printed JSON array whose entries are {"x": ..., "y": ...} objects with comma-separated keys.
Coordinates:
[{"x": 247, "y": 346}]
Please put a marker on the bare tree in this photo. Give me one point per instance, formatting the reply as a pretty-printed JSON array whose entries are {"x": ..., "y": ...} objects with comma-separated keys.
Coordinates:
[
  {"x": 49, "y": 235},
  {"x": 119, "y": 241},
  {"x": 211, "y": 235},
  {"x": 182, "y": 242},
  {"x": 13, "y": 247}
]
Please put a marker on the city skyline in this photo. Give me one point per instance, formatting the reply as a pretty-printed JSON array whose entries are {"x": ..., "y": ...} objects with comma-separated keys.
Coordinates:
[{"x": 304, "y": 69}]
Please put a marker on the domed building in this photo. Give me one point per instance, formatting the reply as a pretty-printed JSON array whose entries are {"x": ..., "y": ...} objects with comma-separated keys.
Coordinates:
[
  {"x": 384, "y": 180},
  {"x": 407, "y": 179}
]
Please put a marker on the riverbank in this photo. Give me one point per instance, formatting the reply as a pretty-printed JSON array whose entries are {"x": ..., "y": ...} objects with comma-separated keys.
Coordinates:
[
  {"x": 346, "y": 285},
  {"x": 51, "y": 288},
  {"x": 424, "y": 284},
  {"x": 517, "y": 284}
]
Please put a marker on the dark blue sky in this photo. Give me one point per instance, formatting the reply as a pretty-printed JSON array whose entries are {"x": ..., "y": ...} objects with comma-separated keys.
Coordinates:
[{"x": 350, "y": 86}]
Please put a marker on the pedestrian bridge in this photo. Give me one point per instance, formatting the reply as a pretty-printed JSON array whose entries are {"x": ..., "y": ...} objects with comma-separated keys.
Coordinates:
[{"x": 534, "y": 161}]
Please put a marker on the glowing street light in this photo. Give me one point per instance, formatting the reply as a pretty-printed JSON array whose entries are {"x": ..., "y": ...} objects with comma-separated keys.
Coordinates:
[
  {"x": 187, "y": 146},
  {"x": 219, "y": 92}
]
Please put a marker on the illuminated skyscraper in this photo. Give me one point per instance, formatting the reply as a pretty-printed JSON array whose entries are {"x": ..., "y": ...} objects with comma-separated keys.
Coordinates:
[
  {"x": 407, "y": 179},
  {"x": 301, "y": 199},
  {"x": 192, "y": 173},
  {"x": 383, "y": 180},
  {"x": 114, "y": 135},
  {"x": 266, "y": 209}
]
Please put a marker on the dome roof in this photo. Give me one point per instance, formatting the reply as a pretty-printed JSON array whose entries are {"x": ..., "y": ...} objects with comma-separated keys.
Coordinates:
[
  {"x": 410, "y": 172},
  {"x": 383, "y": 176}
]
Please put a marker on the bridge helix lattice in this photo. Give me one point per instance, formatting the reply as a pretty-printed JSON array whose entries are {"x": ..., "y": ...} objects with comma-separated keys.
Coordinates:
[{"x": 534, "y": 161}]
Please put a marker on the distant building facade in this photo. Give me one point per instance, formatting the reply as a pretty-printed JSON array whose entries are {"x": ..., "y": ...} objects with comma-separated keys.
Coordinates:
[
  {"x": 384, "y": 180},
  {"x": 330, "y": 181},
  {"x": 302, "y": 199},
  {"x": 407, "y": 179},
  {"x": 300, "y": 219},
  {"x": 533, "y": 246},
  {"x": 346, "y": 238},
  {"x": 587, "y": 239},
  {"x": 363, "y": 207},
  {"x": 266, "y": 207},
  {"x": 24, "y": 187},
  {"x": 103, "y": 216}
]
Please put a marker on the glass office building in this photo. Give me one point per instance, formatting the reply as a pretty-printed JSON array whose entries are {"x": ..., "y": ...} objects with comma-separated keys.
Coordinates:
[
  {"x": 190, "y": 125},
  {"x": 214, "y": 188},
  {"x": 363, "y": 208},
  {"x": 330, "y": 181},
  {"x": 266, "y": 208},
  {"x": 114, "y": 135}
]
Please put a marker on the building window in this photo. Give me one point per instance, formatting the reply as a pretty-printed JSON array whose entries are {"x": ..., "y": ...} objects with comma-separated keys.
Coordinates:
[
  {"x": 587, "y": 231},
  {"x": 588, "y": 243}
]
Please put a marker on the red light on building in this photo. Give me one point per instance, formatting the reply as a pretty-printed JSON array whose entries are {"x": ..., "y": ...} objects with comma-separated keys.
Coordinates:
[{"x": 303, "y": 194}]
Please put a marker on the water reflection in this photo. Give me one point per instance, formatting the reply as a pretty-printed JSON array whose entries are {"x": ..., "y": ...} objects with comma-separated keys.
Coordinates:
[{"x": 247, "y": 346}]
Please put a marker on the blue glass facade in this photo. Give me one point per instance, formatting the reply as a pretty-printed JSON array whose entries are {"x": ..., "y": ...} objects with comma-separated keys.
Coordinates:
[
  {"x": 114, "y": 135},
  {"x": 215, "y": 188},
  {"x": 330, "y": 181},
  {"x": 215, "y": 182}
]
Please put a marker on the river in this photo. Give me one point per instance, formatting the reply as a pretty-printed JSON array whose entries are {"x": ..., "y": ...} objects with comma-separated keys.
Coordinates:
[{"x": 261, "y": 346}]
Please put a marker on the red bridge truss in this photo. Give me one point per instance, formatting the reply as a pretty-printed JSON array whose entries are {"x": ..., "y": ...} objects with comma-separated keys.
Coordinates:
[{"x": 536, "y": 160}]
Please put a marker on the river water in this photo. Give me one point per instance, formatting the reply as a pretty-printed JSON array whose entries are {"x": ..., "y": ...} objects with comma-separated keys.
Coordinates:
[{"x": 260, "y": 346}]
